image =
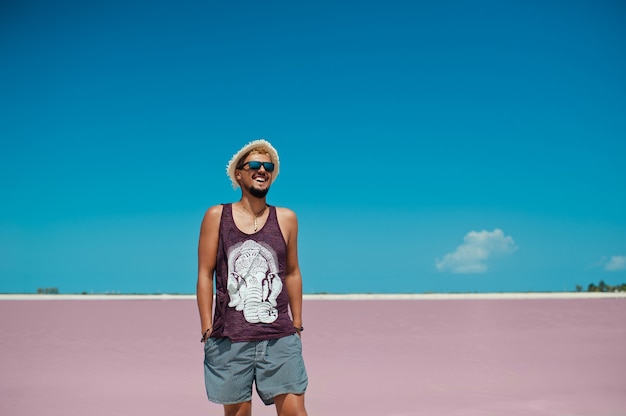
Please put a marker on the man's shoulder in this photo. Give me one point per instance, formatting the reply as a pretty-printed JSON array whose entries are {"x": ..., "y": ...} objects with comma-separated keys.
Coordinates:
[
  {"x": 216, "y": 208},
  {"x": 214, "y": 213},
  {"x": 285, "y": 212},
  {"x": 286, "y": 215}
]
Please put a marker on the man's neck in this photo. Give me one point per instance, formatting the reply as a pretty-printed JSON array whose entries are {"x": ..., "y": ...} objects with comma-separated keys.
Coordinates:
[{"x": 253, "y": 204}]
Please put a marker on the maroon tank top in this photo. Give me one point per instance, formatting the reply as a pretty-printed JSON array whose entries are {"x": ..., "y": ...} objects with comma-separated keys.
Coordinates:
[{"x": 251, "y": 300}]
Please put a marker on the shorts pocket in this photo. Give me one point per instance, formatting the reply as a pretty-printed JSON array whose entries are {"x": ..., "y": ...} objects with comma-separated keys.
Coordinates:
[
  {"x": 211, "y": 349},
  {"x": 297, "y": 341}
]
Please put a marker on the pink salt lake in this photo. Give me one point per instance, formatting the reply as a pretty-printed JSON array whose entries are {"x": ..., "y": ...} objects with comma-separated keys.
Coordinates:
[{"x": 455, "y": 357}]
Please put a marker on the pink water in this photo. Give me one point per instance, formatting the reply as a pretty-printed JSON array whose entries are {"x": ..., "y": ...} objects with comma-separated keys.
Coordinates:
[{"x": 527, "y": 357}]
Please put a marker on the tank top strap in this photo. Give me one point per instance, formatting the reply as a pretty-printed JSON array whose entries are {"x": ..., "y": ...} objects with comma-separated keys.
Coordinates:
[
  {"x": 272, "y": 217},
  {"x": 227, "y": 212}
]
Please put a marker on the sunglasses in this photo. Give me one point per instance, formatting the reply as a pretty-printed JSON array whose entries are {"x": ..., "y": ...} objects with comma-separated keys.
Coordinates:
[{"x": 254, "y": 165}]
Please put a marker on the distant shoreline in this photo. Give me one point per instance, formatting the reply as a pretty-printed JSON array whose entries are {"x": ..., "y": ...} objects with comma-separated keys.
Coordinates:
[{"x": 353, "y": 296}]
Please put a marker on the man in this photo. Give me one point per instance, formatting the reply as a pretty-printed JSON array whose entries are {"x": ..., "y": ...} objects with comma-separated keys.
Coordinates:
[{"x": 251, "y": 249}]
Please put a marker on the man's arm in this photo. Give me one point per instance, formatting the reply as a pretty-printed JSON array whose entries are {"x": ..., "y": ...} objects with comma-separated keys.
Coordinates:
[
  {"x": 293, "y": 279},
  {"x": 207, "y": 259}
]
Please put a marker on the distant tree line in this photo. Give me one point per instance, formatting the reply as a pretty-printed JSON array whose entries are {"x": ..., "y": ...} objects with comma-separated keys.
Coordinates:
[
  {"x": 602, "y": 287},
  {"x": 47, "y": 291}
]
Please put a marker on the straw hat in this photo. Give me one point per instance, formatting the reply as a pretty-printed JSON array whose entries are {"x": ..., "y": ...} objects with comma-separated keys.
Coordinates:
[{"x": 234, "y": 161}]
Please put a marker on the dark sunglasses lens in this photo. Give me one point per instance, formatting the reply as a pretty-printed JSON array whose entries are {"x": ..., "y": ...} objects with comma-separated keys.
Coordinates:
[{"x": 269, "y": 166}]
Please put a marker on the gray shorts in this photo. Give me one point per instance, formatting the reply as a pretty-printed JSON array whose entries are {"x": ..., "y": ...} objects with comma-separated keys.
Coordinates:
[{"x": 276, "y": 367}]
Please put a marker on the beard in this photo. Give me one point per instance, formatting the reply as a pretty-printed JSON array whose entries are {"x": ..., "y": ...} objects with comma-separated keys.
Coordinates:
[{"x": 258, "y": 193}]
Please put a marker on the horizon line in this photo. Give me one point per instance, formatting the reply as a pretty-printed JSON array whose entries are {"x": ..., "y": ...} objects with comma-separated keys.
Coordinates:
[{"x": 336, "y": 296}]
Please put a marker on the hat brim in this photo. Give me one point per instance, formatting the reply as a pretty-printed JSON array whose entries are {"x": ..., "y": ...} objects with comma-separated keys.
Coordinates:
[{"x": 232, "y": 164}]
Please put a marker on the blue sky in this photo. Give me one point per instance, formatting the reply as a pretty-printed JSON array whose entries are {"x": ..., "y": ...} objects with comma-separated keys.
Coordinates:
[{"x": 445, "y": 146}]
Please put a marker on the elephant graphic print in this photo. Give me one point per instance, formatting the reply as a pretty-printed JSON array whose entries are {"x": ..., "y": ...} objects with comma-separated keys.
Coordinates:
[{"x": 253, "y": 281}]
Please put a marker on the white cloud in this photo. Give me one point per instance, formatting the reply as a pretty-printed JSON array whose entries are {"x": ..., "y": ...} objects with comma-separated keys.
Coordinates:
[
  {"x": 477, "y": 248},
  {"x": 615, "y": 263}
]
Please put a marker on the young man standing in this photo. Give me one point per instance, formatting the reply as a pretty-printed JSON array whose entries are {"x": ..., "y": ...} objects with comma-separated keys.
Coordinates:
[{"x": 251, "y": 249}]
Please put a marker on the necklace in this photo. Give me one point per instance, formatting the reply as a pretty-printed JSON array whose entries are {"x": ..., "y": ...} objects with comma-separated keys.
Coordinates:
[{"x": 255, "y": 216}]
